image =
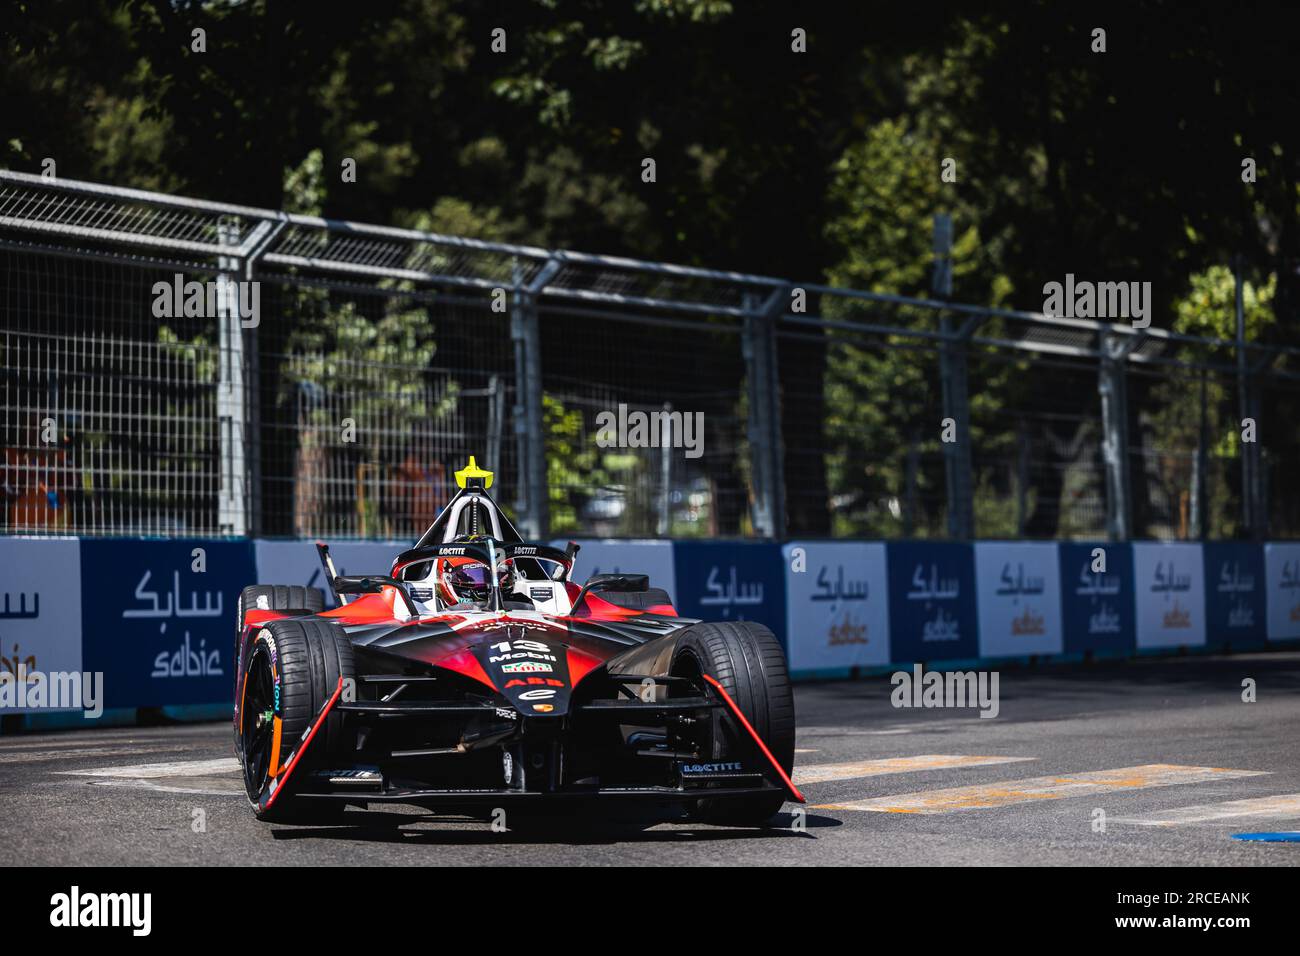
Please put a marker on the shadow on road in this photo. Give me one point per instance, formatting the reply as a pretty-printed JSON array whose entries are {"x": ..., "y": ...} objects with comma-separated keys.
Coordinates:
[{"x": 385, "y": 827}]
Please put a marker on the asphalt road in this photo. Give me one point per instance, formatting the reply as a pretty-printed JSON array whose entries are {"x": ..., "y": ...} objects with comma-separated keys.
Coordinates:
[{"x": 1166, "y": 752}]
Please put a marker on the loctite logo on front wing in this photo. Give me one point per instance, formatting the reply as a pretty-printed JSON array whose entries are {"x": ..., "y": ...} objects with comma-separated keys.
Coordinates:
[
  {"x": 526, "y": 667},
  {"x": 727, "y": 767}
]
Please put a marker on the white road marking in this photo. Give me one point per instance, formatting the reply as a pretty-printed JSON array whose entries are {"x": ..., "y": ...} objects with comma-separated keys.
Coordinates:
[
  {"x": 141, "y": 784},
  {"x": 176, "y": 768},
  {"x": 822, "y": 773},
  {"x": 37, "y": 756},
  {"x": 1281, "y": 806},
  {"x": 1041, "y": 788}
]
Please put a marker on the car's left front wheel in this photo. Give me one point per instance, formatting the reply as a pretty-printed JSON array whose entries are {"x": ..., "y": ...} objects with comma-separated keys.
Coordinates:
[{"x": 292, "y": 669}]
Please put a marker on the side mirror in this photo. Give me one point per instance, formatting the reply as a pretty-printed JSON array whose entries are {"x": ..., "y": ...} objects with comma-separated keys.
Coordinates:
[
  {"x": 373, "y": 584},
  {"x": 618, "y": 582},
  {"x": 613, "y": 582}
]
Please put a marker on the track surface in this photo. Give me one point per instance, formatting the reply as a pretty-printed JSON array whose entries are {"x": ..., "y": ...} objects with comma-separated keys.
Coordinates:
[{"x": 1166, "y": 749}]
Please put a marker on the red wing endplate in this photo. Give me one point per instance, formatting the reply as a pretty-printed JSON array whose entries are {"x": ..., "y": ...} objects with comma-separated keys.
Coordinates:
[
  {"x": 277, "y": 782},
  {"x": 735, "y": 712}
]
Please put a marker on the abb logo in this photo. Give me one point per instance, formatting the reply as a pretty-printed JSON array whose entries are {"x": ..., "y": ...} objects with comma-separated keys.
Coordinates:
[{"x": 536, "y": 682}]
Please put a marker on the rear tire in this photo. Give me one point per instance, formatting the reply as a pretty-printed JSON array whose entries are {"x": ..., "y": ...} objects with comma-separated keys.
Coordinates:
[
  {"x": 747, "y": 660},
  {"x": 293, "y": 668},
  {"x": 285, "y": 598},
  {"x": 279, "y": 597}
]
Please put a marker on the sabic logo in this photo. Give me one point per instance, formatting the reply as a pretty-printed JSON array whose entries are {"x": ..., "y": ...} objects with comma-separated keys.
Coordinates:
[
  {"x": 1028, "y": 624},
  {"x": 1242, "y": 615},
  {"x": 1177, "y": 617},
  {"x": 847, "y": 631},
  {"x": 944, "y": 627}
]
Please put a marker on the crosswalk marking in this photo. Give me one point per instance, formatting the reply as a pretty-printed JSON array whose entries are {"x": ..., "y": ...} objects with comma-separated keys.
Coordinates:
[
  {"x": 177, "y": 768},
  {"x": 1010, "y": 792},
  {"x": 1281, "y": 806},
  {"x": 822, "y": 773}
]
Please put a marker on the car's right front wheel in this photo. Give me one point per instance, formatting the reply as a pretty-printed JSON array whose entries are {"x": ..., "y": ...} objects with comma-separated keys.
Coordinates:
[{"x": 746, "y": 659}]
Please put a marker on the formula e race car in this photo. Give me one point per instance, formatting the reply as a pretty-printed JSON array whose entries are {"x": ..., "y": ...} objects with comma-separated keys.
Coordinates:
[{"x": 475, "y": 678}]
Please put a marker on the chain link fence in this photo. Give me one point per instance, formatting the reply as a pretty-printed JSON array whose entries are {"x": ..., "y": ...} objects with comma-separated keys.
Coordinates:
[{"x": 182, "y": 368}]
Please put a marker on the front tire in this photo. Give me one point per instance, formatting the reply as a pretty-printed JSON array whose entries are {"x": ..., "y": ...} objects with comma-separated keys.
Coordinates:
[
  {"x": 293, "y": 668},
  {"x": 746, "y": 659}
]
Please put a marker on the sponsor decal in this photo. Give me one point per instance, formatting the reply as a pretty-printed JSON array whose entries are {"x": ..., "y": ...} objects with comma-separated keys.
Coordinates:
[
  {"x": 846, "y": 631},
  {"x": 540, "y": 594},
  {"x": 521, "y": 624},
  {"x": 166, "y": 606},
  {"x": 13, "y": 665},
  {"x": 526, "y": 667},
  {"x": 535, "y": 681},
  {"x": 1097, "y": 608},
  {"x": 693, "y": 769},
  {"x": 932, "y": 604},
  {"x": 350, "y": 777},
  {"x": 1235, "y": 585},
  {"x": 544, "y": 708},
  {"x": 538, "y": 694},
  {"x": 741, "y": 581},
  {"x": 1170, "y": 584},
  {"x": 1282, "y": 564},
  {"x": 40, "y": 640},
  {"x": 837, "y": 612},
  {"x": 1018, "y": 597},
  {"x": 186, "y": 661}
]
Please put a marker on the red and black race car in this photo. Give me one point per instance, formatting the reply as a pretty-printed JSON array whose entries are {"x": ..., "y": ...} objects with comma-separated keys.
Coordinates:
[{"x": 476, "y": 676}]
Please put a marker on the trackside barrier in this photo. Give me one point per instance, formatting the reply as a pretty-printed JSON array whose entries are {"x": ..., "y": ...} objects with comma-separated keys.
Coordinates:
[{"x": 155, "y": 616}]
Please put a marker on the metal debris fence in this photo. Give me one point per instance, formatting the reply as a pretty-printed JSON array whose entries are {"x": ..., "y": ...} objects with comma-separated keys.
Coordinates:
[{"x": 328, "y": 376}]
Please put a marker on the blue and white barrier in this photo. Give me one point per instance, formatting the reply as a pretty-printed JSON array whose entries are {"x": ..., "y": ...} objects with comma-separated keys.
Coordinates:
[{"x": 156, "y": 617}]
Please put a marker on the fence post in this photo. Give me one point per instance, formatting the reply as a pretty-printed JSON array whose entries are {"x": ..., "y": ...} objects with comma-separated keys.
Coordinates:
[
  {"x": 1252, "y": 499},
  {"x": 1201, "y": 471},
  {"x": 957, "y": 459},
  {"x": 758, "y": 346},
  {"x": 532, "y": 503},
  {"x": 232, "y": 401},
  {"x": 1113, "y": 388},
  {"x": 955, "y": 380}
]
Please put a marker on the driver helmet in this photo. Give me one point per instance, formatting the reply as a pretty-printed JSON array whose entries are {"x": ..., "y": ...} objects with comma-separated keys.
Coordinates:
[{"x": 468, "y": 580}]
